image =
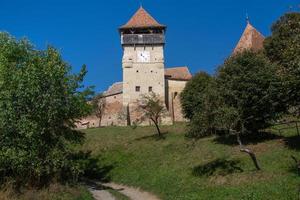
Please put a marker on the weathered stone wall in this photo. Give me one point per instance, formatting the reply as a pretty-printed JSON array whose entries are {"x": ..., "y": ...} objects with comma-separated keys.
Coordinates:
[
  {"x": 174, "y": 88},
  {"x": 142, "y": 74},
  {"x": 113, "y": 114},
  {"x": 136, "y": 116}
]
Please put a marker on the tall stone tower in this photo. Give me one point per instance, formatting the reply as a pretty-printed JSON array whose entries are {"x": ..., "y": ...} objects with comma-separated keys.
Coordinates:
[{"x": 142, "y": 39}]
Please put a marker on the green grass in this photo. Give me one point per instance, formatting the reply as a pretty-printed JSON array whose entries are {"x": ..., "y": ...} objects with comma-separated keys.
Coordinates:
[{"x": 175, "y": 168}]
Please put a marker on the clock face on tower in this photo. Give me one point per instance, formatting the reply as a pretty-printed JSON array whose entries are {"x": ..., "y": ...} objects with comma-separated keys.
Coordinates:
[{"x": 143, "y": 56}]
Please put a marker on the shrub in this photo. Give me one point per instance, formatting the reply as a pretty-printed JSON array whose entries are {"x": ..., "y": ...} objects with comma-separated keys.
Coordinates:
[{"x": 193, "y": 94}]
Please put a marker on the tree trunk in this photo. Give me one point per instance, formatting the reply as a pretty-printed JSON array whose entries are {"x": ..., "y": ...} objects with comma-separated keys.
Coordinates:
[
  {"x": 248, "y": 151},
  {"x": 99, "y": 125},
  {"x": 157, "y": 128}
]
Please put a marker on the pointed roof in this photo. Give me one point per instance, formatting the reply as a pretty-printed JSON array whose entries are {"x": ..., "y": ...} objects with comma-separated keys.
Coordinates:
[
  {"x": 251, "y": 39},
  {"x": 142, "y": 19}
]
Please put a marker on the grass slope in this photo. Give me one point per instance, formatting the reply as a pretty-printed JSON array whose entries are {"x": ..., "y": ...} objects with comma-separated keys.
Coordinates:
[{"x": 211, "y": 168}]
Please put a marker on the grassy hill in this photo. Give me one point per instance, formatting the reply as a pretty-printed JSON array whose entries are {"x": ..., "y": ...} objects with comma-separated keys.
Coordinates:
[{"x": 210, "y": 168}]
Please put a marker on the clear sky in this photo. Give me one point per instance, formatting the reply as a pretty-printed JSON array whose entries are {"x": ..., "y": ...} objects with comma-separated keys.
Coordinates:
[{"x": 200, "y": 34}]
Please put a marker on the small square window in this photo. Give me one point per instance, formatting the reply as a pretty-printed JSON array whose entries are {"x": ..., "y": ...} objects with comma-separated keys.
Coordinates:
[
  {"x": 150, "y": 89},
  {"x": 137, "y": 88}
]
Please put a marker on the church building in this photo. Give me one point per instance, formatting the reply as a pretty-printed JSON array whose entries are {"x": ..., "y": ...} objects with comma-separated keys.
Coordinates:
[{"x": 144, "y": 71}]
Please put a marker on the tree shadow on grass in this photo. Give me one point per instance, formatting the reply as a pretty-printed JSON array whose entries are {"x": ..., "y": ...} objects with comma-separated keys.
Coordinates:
[
  {"x": 249, "y": 138},
  {"x": 220, "y": 167},
  {"x": 91, "y": 166},
  {"x": 294, "y": 170},
  {"x": 153, "y": 137},
  {"x": 292, "y": 142}
]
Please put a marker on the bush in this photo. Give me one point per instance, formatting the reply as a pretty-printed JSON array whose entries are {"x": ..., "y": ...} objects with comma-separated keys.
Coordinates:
[
  {"x": 193, "y": 94},
  {"x": 204, "y": 120},
  {"x": 40, "y": 101}
]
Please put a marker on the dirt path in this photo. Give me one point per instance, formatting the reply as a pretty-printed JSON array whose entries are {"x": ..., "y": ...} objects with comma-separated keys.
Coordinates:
[
  {"x": 131, "y": 192},
  {"x": 100, "y": 192}
]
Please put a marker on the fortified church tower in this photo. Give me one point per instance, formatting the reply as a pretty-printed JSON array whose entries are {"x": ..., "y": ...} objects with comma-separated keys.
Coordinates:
[{"x": 143, "y": 40}]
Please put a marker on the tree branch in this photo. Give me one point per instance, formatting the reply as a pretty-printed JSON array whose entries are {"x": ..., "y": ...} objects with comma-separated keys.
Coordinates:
[{"x": 248, "y": 151}]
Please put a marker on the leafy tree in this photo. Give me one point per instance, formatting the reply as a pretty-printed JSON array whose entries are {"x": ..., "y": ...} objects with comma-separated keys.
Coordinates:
[
  {"x": 245, "y": 96},
  {"x": 152, "y": 107},
  {"x": 99, "y": 104},
  {"x": 249, "y": 84},
  {"x": 193, "y": 94},
  {"x": 206, "y": 115},
  {"x": 283, "y": 48},
  {"x": 40, "y": 101},
  {"x": 252, "y": 91}
]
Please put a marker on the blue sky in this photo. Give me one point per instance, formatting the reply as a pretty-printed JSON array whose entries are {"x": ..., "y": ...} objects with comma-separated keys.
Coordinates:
[{"x": 201, "y": 34}]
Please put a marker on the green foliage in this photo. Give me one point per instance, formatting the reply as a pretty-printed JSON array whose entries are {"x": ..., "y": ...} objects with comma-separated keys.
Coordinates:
[
  {"x": 248, "y": 84},
  {"x": 40, "y": 100},
  {"x": 246, "y": 92},
  {"x": 283, "y": 47},
  {"x": 193, "y": 94},
  {"x": 204, "y": 120},
  {"x": 151, "y": 107}
]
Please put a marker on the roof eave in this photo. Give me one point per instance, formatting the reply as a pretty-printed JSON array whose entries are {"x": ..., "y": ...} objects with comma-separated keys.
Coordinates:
[
  {"x": 178, "y": 79},
  {"x": 141, "y": 27}
]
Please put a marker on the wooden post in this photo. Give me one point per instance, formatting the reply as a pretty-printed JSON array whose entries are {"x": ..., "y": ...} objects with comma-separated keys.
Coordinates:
[{"x": 172, "y": 104}]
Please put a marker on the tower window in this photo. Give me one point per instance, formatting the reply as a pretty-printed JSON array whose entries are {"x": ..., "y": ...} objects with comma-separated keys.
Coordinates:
[
  {"x": 137, "y": 88},
  {"x": 137, "y": 71},
  {"x": 150, "y": 89}
]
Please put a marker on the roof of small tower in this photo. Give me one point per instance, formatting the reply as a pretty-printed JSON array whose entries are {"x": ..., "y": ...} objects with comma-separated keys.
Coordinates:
[
  {"x": 178, "y": 73},
  {"x": 116, "y": 88},
  {"x": 251, "y": 39},
  {"x": 142, "y": 19}
]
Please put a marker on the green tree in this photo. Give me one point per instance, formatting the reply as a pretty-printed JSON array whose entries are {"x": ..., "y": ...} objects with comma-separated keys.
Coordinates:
[
  {"x": 249, "y": 83},
  {"x": 283, "y": 48},
  {"x": 193, "y": 94},
  {"x": 40, "y": 101},
  {"x": 207, "y": 110},
  {"x": 99, "y": 104},
  {"x": 152, "y": 108},
  {"x": 245, "y": 96}
]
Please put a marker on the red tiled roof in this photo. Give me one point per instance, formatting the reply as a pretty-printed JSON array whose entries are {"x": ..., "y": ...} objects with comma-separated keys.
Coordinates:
[
  {"x": 142, "y": 19},
  {"x": 250, "y": 40},
  {"x": 178, "y": 73}
]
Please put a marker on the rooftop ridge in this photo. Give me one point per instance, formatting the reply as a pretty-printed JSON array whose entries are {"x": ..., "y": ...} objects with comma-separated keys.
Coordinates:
[{"x": 141, "y": 19}]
